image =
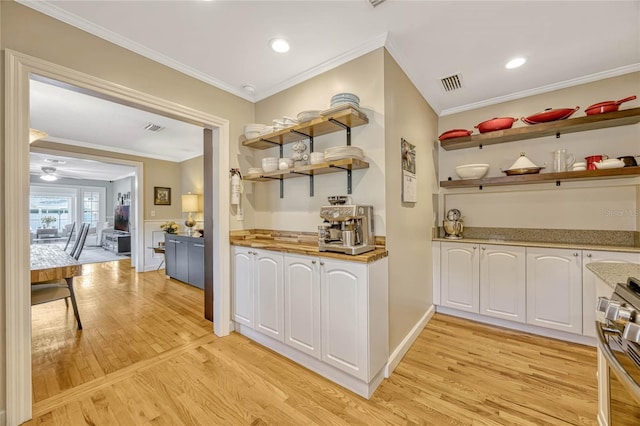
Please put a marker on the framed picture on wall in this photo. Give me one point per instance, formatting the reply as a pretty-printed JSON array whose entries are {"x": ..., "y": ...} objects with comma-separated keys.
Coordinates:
[{"x": 161, "y": 196}]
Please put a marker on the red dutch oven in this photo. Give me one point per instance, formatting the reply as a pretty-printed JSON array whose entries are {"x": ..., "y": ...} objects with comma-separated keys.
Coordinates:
[
  {"x": 494, "y": 124},
  {"x": 550, "y": 114},
  {"x": 607, "y": 106},
  {"x": 455, "y": 133}
]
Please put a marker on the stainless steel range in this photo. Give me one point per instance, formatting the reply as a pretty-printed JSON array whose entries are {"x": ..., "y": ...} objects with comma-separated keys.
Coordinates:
[{"x": 619, "y": 356}]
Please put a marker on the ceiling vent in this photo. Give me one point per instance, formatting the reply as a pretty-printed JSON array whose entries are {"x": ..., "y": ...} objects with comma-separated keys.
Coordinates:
[
  {"x": 451, "y": 83},
  {"x": 375, "y": 3},
  {"x": 153, "y": 127}
]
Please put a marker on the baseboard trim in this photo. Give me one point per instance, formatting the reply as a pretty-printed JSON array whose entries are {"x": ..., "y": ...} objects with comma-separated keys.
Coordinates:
[
  {"x": 540, "y": 331},
  {"x": 404, "y": 346}
]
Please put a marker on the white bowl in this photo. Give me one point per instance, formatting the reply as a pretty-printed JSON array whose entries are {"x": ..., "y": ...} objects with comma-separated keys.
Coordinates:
[
  {"x": 270, "y": 164},
  {"x": 285, "y": 163},
  {"x": 578, "y": 169},
  {"x": 472, "y": 171},
  {"x": 580, "y": 164},
  {"x": 612, "y": 163}
]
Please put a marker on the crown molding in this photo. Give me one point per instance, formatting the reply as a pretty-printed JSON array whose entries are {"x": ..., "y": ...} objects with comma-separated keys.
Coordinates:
[
  {"x": 627, "y": 69},
  {"x": 60, "y": 14},
  {"x": 369, "y": 46}
]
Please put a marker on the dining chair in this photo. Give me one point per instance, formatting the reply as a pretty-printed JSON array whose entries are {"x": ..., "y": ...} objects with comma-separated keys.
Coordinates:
[
  {"x": 73, "y": 228},
  {"x": 78, "y": 238},
  {"x": 50, "y": 291}
]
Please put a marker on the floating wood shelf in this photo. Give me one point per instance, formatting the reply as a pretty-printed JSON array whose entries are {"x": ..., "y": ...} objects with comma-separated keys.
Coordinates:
[
  {"x": 320, "y": 126},
  {"x": 543, "y": 177},
  {"x": 570, "y": 125},
  {"x": 311, "y": 170}
]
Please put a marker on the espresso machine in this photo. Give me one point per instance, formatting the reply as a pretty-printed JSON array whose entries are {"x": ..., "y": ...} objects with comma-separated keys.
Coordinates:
[
  {"x": 346, "y": 228},
  {"x": 453, "y": 225}
]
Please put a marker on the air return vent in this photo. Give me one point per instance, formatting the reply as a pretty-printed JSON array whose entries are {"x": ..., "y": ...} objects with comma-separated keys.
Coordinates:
[
  {"x": 153, "y": 127},
  {"x": 453, "y": 82},
  {"x": 375, "y": 3}
]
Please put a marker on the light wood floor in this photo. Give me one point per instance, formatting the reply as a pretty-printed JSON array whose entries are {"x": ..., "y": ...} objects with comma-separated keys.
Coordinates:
[{"x": 146, "y": 356}]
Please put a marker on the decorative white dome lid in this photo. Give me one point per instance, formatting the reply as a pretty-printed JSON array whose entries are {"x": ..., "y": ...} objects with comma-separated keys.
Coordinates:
[{"x": 522, "y": 163}]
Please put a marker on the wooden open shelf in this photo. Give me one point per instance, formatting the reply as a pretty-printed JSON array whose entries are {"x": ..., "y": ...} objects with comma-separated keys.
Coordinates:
[
  {"x": 543, "y": 177},
  {"x": 570, "y": 125},
  {"x": 320, "y": 126},
  {"x": 310, "y": 170}
]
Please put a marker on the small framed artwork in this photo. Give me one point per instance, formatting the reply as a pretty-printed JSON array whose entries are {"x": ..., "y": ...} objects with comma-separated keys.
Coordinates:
[
  {"x": 161, "y": 196},
  {"x": 409, "y": 179}
]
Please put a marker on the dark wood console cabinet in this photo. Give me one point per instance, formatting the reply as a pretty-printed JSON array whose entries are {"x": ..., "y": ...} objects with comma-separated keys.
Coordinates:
[{"x": 184, "y": 259}]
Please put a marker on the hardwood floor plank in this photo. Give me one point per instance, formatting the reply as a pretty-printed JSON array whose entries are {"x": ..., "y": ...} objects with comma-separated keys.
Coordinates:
[{"x": 146, "y": 356}]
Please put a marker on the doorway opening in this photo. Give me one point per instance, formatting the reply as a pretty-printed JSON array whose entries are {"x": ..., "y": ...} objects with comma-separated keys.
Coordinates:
[{"x": 20, "y": 69}]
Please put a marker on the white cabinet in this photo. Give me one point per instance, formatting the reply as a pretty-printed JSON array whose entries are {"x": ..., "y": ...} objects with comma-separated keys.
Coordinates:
[
  {"x": 460, "y": 286},
  {"x": 554, "y": 289},
  {"x": 592, "y": 287},
  {"x": 503, "y": 282},
  {"x": 243, "y": 272},
  {"x": 258, "y": 291},
  {"x": 302, "y": 303}
]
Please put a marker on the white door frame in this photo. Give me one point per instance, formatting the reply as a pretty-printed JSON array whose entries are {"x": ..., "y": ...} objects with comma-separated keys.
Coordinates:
[{"x": 18, "y": 68}]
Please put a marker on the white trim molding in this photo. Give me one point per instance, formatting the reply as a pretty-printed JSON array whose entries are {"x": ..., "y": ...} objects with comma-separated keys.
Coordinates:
[
  {"x": 401, "y": 350},
  {"x": 19, "y": 68}
]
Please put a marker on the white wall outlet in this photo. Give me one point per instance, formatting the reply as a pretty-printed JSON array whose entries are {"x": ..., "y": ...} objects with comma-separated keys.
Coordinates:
[
  {"x": 153, "y": 213},
  {"x": 240, "y": 214}
]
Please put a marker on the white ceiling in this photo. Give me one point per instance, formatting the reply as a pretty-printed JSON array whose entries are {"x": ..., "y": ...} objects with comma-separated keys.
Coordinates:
[
  {"x": 77, "y": 168},
  {"x": 225, "y": 43}
]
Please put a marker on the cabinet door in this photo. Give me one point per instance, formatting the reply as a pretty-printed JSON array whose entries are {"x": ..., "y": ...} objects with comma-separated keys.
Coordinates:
[
  {"x": 170, "y": 256},
  {"x": 591, "y": 291},
  {"x": 302, "y": 304},
  {"x": 242, "y": 303},
  {"x": 554, "y": 289},
  {"x": 343, "y": 288},
  {"x": 268, "y": 293},
  {"x": 196, "y": 264},
  {"x": 503, "y": 282},
  {"x": 460, "y": 285},
  {"x": 182, "y": 261}
]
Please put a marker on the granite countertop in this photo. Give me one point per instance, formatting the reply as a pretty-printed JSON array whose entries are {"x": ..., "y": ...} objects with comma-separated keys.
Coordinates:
[
  {"x": 614, "y": 273},
  {"x": 309, "y": 249},
  {"x": 628, "y": 249}
]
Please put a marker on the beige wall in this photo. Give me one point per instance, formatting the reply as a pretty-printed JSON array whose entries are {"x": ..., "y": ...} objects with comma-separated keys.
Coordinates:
[
  {"x": 297, "y": 210},
  {"x": 568, "y": 206},
  {"x": 407, "y": 115},
  {"x": 35, "y": 34}
]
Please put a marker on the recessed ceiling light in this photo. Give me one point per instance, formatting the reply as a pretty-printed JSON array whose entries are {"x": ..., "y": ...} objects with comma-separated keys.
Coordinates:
[
  {"x": 249, "y": 88},
  {"x": 515, "y": 63},
  {"x": 279, "y": 45}
]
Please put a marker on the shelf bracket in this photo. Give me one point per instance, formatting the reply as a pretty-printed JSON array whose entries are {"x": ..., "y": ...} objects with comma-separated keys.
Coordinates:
[
  {"x": 557, "y": 183},
  {"x": 558, "y": 135},
  {"x": 344, "y": 126},
  {"x": 348, "y": 176},
  {"x": 300, "y": 133},
  {"x": 271, "y": 142},
  {"x": 480, "y": 146},
  {"x": 480, "y": 187},
  {"x": 281, "y": 183}
]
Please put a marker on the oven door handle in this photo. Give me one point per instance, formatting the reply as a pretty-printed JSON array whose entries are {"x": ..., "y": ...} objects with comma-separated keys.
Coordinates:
[{"x": 625, "y": 378}]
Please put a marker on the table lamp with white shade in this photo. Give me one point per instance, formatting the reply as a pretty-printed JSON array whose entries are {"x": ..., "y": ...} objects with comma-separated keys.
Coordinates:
[{"x": 190, "y": 205}]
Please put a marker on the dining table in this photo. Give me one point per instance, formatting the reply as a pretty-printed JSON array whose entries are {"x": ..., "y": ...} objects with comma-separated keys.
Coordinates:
[{"x": 51, "y": 263}]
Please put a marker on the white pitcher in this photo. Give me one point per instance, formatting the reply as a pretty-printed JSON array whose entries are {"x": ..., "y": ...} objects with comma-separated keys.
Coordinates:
[{"x": 562, "y": 160}]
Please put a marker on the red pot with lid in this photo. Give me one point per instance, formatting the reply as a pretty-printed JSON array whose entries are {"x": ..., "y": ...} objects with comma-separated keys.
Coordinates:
[
  {"x": 607, "y": 106},
  {"x": 550, "y": 114},
  {"x": 498, "y": 123}
]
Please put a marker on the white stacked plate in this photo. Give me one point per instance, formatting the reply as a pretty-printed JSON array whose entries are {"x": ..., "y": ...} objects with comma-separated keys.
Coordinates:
[
  {"x": 339, "y": 107},
  {"x": 266, "y": 130},
  {"x": 254, "y": 171},
  {"x": 308, "y": 115},
  {"x": 288, "y": 121},
  {"x": 253, "y": 130},
  {"x": 344, "y": 98},
  {"x": 341, "y": 152}
]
